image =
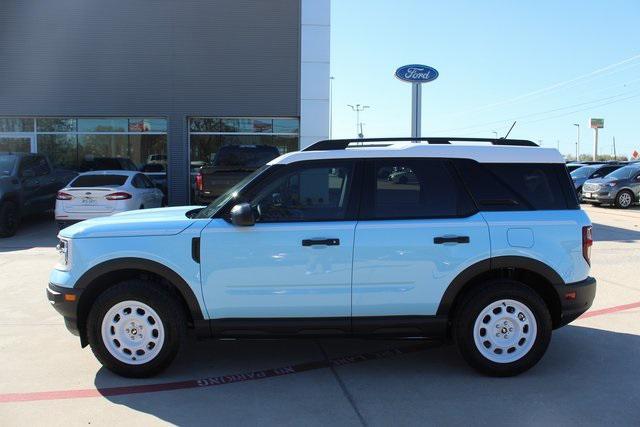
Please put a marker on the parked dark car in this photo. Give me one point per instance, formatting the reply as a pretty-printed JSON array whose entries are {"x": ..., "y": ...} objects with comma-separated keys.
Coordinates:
[
  {"x": 230, "y": 164},
  {"x": 28, "y": 185},
  {"x": 620, "y": 188},
  {"x": 580, "y": 175}
]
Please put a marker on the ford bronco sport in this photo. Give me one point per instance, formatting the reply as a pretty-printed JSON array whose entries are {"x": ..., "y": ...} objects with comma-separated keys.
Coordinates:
[{"x": 483, "y": 243}]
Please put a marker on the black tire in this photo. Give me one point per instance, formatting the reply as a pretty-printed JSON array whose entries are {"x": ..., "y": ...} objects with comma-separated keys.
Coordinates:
[
  {"x": 9, "y": 219},
  {"x": 624, "y": 199},
  {"x": 472, "y": 306},
  {"x": 162, "y": 302}
]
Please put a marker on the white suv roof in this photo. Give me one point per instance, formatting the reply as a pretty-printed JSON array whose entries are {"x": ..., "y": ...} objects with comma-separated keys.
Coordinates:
[{"x": 481, "y": 150}]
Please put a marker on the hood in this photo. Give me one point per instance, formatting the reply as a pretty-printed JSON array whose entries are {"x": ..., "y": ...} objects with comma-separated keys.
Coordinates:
[{"x": 144, "y": 222}]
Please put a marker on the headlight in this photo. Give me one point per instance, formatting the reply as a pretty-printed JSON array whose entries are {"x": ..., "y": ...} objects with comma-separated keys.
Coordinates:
[{"x": 64, "y": 255}]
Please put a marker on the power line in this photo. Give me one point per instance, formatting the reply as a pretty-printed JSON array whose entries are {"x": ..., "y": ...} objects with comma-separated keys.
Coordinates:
[
  {"x": 540, "y": 113},
  {"x": 606, "y": 70}
]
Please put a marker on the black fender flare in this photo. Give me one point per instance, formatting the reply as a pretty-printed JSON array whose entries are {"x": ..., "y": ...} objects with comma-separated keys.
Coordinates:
[
  {"x": 146, "y": 265},
  {"x": 484, "y": 266}
]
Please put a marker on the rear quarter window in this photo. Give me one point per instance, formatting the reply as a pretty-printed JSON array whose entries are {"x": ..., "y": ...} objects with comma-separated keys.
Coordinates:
[
  {"x": 99, "y": 181},
  {"x": 518, "y": 186}
]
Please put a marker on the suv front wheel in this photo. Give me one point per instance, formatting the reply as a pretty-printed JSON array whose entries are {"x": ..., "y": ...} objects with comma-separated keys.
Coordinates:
[
  {"x": 503, "y": 328},
  {"x": 135, "y": 328}
]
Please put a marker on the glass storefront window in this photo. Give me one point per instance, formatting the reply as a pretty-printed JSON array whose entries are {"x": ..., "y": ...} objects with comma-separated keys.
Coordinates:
[
  {"x": 286, "y": 126},
  {"x": 147, "y": 125},
  {"x": 203, "y": 124},
  {"x": 62, "y": 150},
  {"x": 55, "y": 124},
  {"x": 14, "y": 124},
  {"x": 15, "y": 144},
  {"x": 103, "y": 125}
]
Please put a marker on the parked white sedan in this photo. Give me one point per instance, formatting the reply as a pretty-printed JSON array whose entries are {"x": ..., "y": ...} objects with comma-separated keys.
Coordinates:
[{"x": 101, "y": 193}]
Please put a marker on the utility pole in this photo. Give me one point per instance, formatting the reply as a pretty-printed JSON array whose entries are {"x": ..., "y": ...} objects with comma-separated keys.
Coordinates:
[
  {"x": 577, "y": 125},
  {"x": 615, "y": 157},
  {"x": 361, "y": 134},
  {"x": 358, "y": 108},
  {"x": 331, "y": 106}
]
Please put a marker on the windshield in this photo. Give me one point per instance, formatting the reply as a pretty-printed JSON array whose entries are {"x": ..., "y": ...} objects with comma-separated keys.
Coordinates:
[
  {"x": 584, "y": 171},
  {"x": 231, "y": 193},
  {"x": 6, "y": 164},
  {"x": 624, "y": 173}
]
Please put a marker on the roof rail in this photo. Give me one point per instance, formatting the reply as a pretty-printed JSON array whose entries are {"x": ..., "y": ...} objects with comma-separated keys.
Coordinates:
[{"x": 341, "y": 144}]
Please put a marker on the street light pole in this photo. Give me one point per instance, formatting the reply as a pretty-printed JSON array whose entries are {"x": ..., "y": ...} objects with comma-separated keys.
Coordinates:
[
  {"x": 577, "y": 125},
  {"x": 358, "y": 108},
  {"x": 331, "y": 106}
]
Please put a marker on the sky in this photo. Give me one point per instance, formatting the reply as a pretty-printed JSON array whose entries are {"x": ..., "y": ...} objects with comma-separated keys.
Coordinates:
[{"x": 545, "y": 64}]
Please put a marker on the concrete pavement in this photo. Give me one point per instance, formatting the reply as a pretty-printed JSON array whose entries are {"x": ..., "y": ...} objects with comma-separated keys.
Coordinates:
[{"x": 589, "y": 376}]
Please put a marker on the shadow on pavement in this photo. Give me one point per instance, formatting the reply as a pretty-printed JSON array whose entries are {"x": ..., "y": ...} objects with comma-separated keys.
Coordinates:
[
  {"x": 35, "y": 231},
  {"x": 587, "y": 376},
  {"x": 607, "y": 233}
]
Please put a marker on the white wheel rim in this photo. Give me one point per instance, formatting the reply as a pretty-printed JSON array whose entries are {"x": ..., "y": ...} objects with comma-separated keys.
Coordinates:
[
  {"x": 625, "y": 199},
  {"x": 132, "y": 332},
  {"x": 505, "y": 331}
]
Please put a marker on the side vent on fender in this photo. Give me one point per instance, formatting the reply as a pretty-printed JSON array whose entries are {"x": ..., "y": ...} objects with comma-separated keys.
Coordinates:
[{"x": 195, "y": 249}]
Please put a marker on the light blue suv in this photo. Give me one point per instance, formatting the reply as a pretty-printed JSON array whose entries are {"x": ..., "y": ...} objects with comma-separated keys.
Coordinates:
[{"x": 483, "y": 243}]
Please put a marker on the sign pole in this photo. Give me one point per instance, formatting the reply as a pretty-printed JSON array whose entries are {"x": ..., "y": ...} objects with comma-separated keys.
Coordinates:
[
  {"x": 416, "y": 110},
  {"x": 416, "y": 74},
  {"x": 595, "y": 145}
]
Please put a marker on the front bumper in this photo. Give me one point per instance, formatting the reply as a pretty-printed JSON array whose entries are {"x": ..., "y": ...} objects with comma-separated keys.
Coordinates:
[
  {"x": 600, "y": 196},
  {"x": 575, "y": 299},
  {"x": 65, "y": 301}
]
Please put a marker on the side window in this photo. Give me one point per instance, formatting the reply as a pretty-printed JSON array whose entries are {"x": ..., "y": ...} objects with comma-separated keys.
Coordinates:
[
  {"x": 306, "y": 194},
  {"x": 147, "y": 182},
  {"x": 417, "y": 188},
  {"x": 606, "y": 170},
  {"x": 137, "y": 182},
  {"x": 517, "y": 186}
]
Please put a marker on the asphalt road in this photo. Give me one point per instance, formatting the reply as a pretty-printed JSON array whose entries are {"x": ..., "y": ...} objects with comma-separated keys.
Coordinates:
[{"x": 589, "y": 376}]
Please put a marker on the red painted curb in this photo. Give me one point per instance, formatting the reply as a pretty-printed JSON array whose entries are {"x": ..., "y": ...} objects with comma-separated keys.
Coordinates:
[
  {"x": 210, "y": 381},
  {"x": 610, "y": 310}
]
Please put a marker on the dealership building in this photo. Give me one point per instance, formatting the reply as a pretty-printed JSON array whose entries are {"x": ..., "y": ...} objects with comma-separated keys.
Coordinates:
[{"x": 163, "y": 83}]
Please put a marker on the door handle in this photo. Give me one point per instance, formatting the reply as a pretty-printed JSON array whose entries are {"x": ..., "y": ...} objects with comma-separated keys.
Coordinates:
[
  {"x": 324, "y": 242},
  {"x": 450, "y": 239}
]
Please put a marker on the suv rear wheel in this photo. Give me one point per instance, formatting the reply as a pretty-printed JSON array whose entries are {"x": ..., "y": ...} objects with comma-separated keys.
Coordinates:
[
  {"x": 135, "y": 328},
  {"x": 503, "y": 328}
]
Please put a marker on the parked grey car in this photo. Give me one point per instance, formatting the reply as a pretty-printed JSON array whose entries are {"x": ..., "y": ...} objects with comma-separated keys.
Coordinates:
[
  {"x": 580, "y": 175},
  {"x": 28, "y": 185},
  {"x": 620, "y": 188}
]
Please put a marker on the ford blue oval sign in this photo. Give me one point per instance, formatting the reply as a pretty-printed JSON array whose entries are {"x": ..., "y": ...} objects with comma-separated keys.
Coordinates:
[{"x": 416, "y": 73}]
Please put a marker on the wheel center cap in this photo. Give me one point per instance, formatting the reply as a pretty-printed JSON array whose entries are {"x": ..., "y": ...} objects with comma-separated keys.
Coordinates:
[{"x": 134, "y": 331}]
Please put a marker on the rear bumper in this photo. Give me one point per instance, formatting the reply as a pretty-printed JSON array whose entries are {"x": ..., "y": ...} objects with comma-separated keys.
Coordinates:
[
  {"x": 65, "y": 301},
  {"x": 575, "y": 298}
]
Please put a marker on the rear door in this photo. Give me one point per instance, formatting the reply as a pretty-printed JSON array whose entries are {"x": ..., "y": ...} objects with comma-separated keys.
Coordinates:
[{"x": 418, "y": 230}]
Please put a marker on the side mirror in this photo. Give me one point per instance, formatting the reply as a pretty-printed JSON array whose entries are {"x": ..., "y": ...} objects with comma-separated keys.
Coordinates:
[{"x": 242, "y": 215}]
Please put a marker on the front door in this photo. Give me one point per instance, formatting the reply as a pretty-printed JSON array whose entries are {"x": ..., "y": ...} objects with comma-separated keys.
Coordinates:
[
  {"x": 418, "y": 231},
  {"x": 295, "y": 262}
]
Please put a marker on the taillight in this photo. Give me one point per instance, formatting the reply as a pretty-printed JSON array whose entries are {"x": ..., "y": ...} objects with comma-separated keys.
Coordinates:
[
  {"x": 120, "y": 195},
  {"x": 63, "y": 196},
  {"x": 587, "y": 242},
  {"x": 199, "y": 185}
]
